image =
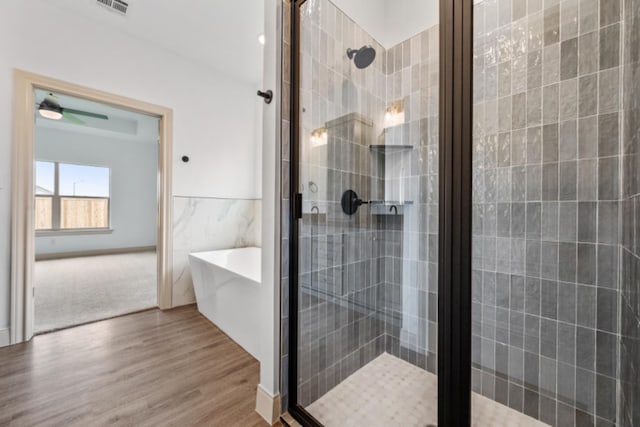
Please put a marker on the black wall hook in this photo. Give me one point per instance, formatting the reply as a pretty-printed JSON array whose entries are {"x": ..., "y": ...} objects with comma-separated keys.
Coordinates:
[{"x": 268, "y": 96}]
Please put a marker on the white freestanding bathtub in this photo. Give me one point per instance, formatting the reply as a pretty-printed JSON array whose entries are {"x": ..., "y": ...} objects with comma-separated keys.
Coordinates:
[{"x": 227, "y": 287}]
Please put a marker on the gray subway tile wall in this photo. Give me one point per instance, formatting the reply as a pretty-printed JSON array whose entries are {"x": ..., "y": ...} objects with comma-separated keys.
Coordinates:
[
  {"x": 629, "y": 311},
  {"x": 284, "y": 158},
  {"x": 558, "y": 118}
]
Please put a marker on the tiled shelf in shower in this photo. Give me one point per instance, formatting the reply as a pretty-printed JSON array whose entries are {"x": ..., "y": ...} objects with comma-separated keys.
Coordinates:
[{"x": 386, "y": 207}]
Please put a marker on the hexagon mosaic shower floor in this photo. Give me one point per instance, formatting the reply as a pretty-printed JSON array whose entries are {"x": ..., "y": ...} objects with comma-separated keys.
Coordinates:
[{"x": 391, "y": 392}]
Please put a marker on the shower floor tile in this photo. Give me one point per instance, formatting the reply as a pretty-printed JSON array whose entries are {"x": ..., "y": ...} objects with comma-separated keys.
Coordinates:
[{"x": 391, "y": 392}]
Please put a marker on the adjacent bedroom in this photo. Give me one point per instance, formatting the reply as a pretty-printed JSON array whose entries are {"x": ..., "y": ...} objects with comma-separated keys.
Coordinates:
[{"x": 96, "y": 204}]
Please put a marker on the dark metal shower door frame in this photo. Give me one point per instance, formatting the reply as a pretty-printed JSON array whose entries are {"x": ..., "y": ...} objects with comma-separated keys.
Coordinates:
[{"x": 455, "y": 190}]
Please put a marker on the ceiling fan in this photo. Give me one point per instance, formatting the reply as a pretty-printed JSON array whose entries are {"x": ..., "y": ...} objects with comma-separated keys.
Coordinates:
[{"x": 50, "y": 108}]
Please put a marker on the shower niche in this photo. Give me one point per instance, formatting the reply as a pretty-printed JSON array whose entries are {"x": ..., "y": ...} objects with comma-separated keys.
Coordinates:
[
  {"x": 340, "y": 154},
  {"x": 393, "y": 160}
]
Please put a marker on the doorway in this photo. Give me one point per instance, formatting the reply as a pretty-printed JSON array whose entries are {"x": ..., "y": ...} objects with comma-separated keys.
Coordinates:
[
  {"x": 96, "y": 209},
  {"x": 73, "y": 210}
]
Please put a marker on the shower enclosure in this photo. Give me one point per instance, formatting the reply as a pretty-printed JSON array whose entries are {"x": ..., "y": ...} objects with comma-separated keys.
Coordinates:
[{"x": 462, "y": 237}]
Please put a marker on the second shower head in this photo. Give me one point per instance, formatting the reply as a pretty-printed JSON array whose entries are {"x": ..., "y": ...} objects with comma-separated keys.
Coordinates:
[{"x": 362, "y": 57}]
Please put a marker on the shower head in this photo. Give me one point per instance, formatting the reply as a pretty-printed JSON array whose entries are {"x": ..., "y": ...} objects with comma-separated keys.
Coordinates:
[{"x": 362, "y": 57}]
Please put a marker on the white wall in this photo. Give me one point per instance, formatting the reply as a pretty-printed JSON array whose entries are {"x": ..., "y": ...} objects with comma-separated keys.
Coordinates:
[
  {"x": 270, "y": 271},
  {"x": 213, "y": 114},
  {"x": 391, "y": 21},
  {"x": 134, "y": 188},
  {"x": 369, "y": 14}
]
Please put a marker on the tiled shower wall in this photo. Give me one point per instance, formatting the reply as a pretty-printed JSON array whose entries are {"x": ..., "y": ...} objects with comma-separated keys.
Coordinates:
[
  {"x": 546, "y": 207},
  {"x": 409, "y": 242},
  {"x": 630, "y": 280},
  {"x": 285, "y": 205},
  {"x": 340, "y": 327},
  {"x": 340, "y": 324}
]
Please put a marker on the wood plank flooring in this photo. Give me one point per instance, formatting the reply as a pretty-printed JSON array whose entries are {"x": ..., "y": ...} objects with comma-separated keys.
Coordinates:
[{"x": 154, "y": 368}]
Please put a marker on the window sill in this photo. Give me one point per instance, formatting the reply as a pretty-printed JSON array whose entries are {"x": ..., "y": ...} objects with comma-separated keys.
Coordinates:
[{"x": 74, "y": 232}]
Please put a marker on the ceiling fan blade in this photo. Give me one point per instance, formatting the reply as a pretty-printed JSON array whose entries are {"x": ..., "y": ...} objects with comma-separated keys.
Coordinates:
[
  {"x": 86, "y": 113},
  {"x": 72, "y": 118}
]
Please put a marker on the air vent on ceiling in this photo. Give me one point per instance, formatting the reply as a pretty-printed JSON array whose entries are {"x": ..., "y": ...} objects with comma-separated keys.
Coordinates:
[{"x": 115, "y": 5}]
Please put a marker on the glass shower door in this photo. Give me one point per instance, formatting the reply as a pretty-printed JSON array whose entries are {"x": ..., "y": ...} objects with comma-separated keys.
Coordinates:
[{"x": 367, "y": 148}]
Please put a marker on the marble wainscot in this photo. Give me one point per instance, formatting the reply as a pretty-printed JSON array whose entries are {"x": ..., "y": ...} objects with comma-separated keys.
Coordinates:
[{"x": 208, "y": 224}]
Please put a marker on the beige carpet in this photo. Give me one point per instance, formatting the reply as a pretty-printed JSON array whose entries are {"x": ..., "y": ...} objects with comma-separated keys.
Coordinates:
[{"x": 79, "y": 290}]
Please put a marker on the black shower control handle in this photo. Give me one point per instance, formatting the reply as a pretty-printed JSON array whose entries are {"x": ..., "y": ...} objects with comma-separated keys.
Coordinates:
[
  {"x": 350, "y": 202},
  {"x": 359, "y": 202}
]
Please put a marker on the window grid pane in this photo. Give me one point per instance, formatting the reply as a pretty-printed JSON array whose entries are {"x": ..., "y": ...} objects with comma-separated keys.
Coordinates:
[
  {"x": 44, "y": 213},
  {"x": 45, "y": 178},
  {"x": 82, "y": 180},
  {"x": 85, "y": 212}
]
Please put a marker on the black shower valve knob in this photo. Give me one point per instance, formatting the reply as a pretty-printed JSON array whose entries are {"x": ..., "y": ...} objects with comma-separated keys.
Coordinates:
[{"x": 350, "y": 202}]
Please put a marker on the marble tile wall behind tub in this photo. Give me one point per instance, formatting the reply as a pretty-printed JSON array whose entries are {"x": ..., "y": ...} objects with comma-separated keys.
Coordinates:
[
  {"x": 206, "y": 224},
  {"x": 630, "y": 289},
  {"x": 546, "y": 207}
]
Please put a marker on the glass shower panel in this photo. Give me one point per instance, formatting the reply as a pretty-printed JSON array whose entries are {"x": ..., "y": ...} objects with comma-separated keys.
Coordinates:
[
  {"x": 546, "y": 209},
  {"x": 368, "y": 236}
]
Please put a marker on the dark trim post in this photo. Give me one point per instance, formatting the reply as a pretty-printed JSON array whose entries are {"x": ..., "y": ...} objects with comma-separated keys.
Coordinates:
[
  {"x": 294, "y": 93},
  {"x": 454, "y": 263},
  {"x": 293, "y": 189}
]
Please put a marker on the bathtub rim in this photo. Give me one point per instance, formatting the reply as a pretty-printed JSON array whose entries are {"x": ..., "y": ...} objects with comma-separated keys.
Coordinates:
[{"x": 201, "y": 257}]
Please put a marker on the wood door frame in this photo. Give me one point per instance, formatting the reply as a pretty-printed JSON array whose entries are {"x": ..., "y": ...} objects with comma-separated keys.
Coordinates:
[{"x": 22, "y": 197}]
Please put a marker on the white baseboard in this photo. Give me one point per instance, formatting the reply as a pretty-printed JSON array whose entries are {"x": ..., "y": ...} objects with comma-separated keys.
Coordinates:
[
  {"x": 267, "y": 406},
  {"x": 99, "y": 252},
  {"x": 5, "y": 337}
]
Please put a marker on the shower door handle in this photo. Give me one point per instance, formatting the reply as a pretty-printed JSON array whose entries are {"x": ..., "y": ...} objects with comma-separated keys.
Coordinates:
[{"x": 297, "y": 206}]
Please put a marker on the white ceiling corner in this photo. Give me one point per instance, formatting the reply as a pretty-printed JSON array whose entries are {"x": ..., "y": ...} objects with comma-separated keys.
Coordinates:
[
  {"x": 222, "y": 35},
  {"x": 391, "y": 21}
]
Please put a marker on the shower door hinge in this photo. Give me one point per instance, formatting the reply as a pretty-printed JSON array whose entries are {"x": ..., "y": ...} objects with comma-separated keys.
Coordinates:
[{"x": 297, "y": 206}]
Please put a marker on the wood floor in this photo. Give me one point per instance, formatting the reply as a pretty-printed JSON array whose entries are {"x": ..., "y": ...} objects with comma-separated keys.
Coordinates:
[{"x": 153, "y": 368}]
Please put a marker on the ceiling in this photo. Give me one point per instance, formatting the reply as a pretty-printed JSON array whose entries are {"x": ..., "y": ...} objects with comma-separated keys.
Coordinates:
[
  {"x": 122, "y": 124},
  {"x": 391, "y": 21},
  {"x": 222, "y": 35}
]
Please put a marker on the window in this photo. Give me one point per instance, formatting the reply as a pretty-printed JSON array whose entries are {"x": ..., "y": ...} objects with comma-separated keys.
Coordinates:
[{"x": 71, "y": 197}]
